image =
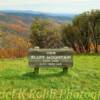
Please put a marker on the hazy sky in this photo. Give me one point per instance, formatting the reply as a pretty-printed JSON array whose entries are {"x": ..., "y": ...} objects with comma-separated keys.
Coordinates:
[{"x": 52, "y": 6}]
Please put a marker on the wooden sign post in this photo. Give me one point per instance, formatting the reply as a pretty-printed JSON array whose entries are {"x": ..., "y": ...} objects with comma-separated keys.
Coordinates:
[{"x": 62, "y": 58}]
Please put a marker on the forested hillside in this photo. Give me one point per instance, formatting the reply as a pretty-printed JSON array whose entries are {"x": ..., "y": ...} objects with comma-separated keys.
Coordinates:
[
  {"x": 22, "y": 30},
  {"x": 15, "y": 30},
  {"x": 18, "y": 23}
]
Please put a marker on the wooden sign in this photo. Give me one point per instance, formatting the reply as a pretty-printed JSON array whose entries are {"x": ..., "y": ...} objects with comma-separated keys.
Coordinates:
[{"x": 50, "y": 57}]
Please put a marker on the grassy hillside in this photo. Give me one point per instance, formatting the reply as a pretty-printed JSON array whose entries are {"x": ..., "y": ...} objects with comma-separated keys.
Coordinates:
[{"x": 82, "y": 82}]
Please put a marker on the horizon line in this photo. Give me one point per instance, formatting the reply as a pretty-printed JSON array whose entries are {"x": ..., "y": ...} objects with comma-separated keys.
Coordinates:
[{"x": 41, "y": 11}]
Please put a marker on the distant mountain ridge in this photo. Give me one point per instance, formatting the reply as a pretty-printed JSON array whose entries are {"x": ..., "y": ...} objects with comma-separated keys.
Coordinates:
[{"x": 29, "y": 13}]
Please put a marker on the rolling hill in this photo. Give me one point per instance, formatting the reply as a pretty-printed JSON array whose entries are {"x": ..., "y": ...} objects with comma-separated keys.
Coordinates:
[{"x": 17, "y": 23}]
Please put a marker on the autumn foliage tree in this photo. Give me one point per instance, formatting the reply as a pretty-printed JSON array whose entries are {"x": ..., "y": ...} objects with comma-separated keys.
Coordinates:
[{"x": 46, "y": 34}]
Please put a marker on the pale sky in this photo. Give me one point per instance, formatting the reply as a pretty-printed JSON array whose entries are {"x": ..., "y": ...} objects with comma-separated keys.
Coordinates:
[{"x": 51, "y": 6}]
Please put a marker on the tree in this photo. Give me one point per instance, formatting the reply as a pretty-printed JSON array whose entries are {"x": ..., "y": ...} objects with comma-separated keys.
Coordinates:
[
  {"x": 84, "y": 32},
  {"x": 45, "y": 34},
  {"x": 88, "y": 24},
  {"x": 72, "y": 38},
  {"x": 94, "y": 25}
]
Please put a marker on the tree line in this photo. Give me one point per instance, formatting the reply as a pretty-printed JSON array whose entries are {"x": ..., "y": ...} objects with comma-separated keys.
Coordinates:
[{"x": 83, "y": 34}]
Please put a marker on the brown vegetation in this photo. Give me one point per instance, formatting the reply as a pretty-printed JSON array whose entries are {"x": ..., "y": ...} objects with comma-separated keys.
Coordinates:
[{"x": 13, "y": 52}]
